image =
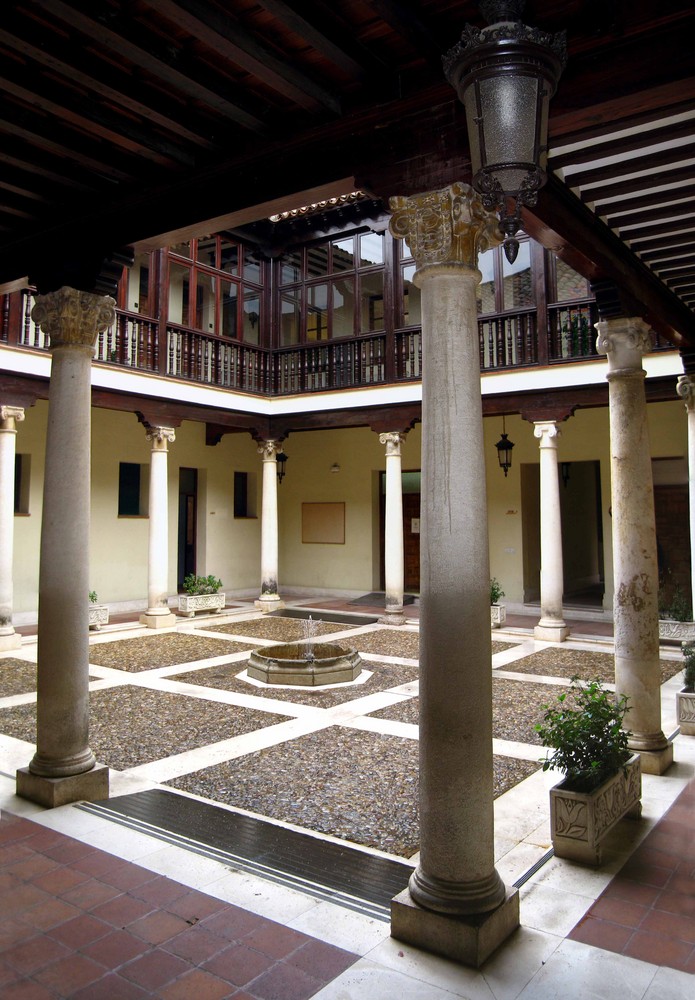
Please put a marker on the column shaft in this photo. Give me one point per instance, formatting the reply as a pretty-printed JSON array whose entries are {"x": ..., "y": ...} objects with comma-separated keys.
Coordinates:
[
  {"x": 686, "y": 390},
  {"x": 9, "y": 417},
  {"x": 393, "y": 530},
  {"x": 551, "y": 625},
  {"x": 635, "y": 602},
  {"x": 158, "y": 614},
  {"x": 270, "y": 598}
]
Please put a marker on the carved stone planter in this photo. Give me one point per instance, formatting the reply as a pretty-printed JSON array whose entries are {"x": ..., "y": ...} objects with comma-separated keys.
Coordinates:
[
  {"x": 673, "y": 631},
  {"x": 580, "y": 820},
  {"x": 190, "y": 603},
  {"x": 98, "y": 616},
  {"x": 685, "y": 709},
  {"x": 498, "y": 615}
]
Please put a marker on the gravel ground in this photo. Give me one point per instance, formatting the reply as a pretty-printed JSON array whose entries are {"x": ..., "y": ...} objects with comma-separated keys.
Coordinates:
[
  {"x": 583, "y": 663},
  {"x": 384, "y": 676},
  {"x": 278, "y": 629},
  {"x": 330, "y": 782},
  {"x": 16, "y": 677},
  {"x": 130, "y": 726},
  {"x": 150, "y": 652},
  {"x": 516, "y": 708}
]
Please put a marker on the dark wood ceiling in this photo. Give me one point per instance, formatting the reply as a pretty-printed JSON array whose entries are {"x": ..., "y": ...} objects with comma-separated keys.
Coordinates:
[{"x": 137, "y": 121}]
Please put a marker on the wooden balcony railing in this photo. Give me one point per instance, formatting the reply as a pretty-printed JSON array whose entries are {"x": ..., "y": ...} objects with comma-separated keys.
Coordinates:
[{"x": 507, "y": 341}]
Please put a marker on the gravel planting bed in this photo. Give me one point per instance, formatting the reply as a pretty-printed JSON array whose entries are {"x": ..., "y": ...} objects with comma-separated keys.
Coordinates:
[
  {"x": 384, "y": 676},
  {"x": 388, "y": 642},
  {"x": 16, "y": 677},
  {"x": 516, "y": 708},
  {"x": 130, "y": 726},
  {"x": 583, "y": 663},
  {"x": 278, "y": 629},
  {"x": 361, "y": 787},
  {"x": 149, "y": 652}
]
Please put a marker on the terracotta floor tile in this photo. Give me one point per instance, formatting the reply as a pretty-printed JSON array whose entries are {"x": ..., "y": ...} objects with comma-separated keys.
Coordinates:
[
  {"x": 646, "y": 874},
  {"x": 690, "y": 964},
  {"x": 198, "y": 984},
  {"x": 126, "y": 876},
  {"x": 285, "y": 982},
  {"x": 116, "y": 949},
  {"x": 158, "y": 927},
  {"x": 25, "y": 989},
  {"x": 46, "y": 915},
  {"x": 59, "y": 880},
  {"x": 676, "y": 902},
  {"x": 275, "y": 940},
  {"x": 122, "y": 910},
  {"x": 196, "y": 944},
  {"x": 97, "y": 863},
  {"x": 238, "y": 964},
  {"x": 632, "y": 892},
  {"x": 321, "y": 960},
  {"x": 155, "y": 969},
  {"x": 233, "y": 923},
  {"x": 112, "y": 987},
  {"x": 80, "y": 931},
  {"x": 68, "y": 850},
  {"x": 30, "y": 956},
  {"x": 658, "y": 949},
  {"x": 601, "y": 934},
  {"x": 159, "y": 890},
  {"x": 678, "y": 927},
  {"x": 195, "y": 906},
  {"x": 15, "y": 901},
  {"x": 13, "y": 931},
  {"x": 69, "y": 974},
  {"x": 91, "y": 893},
  {"x": 32, "y": 866},
  {"x": 651, "y": 855},
  {"x": 619, "y": 911}
]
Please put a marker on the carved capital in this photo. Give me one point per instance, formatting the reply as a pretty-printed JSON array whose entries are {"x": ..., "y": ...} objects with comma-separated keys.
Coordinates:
[
  {"x": 72, "y": 318},
  {"x": 393, "y": 441},
  {"x": 547, "y": 432},
  {"x": 685, "y": 387},
  {"x": 269, "y": 449},
  {"x": 161, "y": 437},
  {"x": 449, "y": 226},
  {"x": 9, "y": 416},
  {"x": 623, "y": 340}
]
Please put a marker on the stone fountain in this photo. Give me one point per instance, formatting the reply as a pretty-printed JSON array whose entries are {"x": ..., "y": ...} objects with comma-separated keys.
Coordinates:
[{"x": 305, "y": 663}]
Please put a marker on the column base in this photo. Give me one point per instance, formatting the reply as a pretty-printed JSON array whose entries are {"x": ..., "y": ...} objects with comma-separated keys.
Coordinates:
[
  {"x": 392, "y": 616},
  {"x": 90, "y": 786},
  {"x": 469, "y": 940},
  {"x": 269, "y": 604},
  {"x": 158, "y": 621},
  {"x": 12, "y": 641},
  {"x": 548, "y": 630},
  {"x": 655, "y": 761}
]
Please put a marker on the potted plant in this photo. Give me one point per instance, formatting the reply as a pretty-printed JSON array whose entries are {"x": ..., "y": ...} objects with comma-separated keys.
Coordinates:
[
  {"x": 98, "y": 613},
  {"x": 675, "y": 615},
  {"x": 685, "y": 698},
  {"x": 201, "y": 593},
  {"x": 603, "y": 780},
  {"x": 498, "y": 612}
]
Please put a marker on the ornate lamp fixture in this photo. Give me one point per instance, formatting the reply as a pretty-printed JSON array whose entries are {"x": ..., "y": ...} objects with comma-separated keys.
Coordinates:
[
  {"x": 505, "y": 75},
  {"x": 281, "y": 459},
  {"x": 504, "y": 451}
]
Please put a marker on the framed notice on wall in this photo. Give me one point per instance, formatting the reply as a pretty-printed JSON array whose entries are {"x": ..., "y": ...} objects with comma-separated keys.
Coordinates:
[{"x": 323, "y": 523}]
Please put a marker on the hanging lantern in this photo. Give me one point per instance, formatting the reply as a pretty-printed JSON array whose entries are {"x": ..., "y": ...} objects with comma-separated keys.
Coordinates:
[
  {"x": 504, "y": 451},
  {"x": 505, "y": 75},
  {"x": 281, "y": 459}
]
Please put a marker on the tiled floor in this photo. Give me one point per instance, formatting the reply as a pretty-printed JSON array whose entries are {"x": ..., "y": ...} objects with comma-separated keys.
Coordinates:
[{"x": 90, "y": 909}]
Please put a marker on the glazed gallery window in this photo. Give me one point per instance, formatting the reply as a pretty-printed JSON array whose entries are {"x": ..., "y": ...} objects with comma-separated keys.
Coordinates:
[
  {"x": 332, "y": 290},
  {"x": 216, "y": 286},
  {"x": 133, "y": 492}
]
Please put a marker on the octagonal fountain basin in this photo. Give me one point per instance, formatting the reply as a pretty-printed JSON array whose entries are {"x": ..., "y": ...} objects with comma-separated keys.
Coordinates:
[{"x": 305, "y": 665}]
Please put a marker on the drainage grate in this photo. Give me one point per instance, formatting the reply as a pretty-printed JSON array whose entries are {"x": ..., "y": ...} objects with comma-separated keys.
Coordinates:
[{"x": 335, "y": 872}]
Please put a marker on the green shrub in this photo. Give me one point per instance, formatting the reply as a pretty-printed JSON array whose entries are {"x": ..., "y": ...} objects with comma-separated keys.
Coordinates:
[
  {"x": 689, "y": 666},
  {"x": 586, "y": 733},
  {"x": 93, "y": 598},
  {"x": 201, "y": 584},
  {"x": 495, "y": 590}
]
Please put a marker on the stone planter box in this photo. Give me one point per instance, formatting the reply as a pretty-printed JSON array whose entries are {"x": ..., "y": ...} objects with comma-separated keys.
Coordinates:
[
  {"x": 98, "y": 616},
  {"x": 580, "y": 820},
  {"x": 498, "y": 615},
  {"x": 190, "y": 603},
  {"x": 671, "y": 630},
  {"x": 685, "y": 710}
]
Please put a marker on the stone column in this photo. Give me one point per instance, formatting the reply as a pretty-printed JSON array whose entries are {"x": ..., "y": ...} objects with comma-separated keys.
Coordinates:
[
  {"x": 63, "y": 768},
  {"x": 456, "y": 903},
  {"x": 270, "y": 598},
  {"x": 393, "y": 530},
  {"x": 9, "y": 418},
  {"x": 686, "y": 390},
  {"x": 551, "y": 626},
  {"x": 635, "y": 572},
  {"x": 158, "y": 614}
]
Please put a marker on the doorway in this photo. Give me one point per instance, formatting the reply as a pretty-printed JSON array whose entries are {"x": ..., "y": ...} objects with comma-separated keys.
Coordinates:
[{"x": 188, "y": 517}]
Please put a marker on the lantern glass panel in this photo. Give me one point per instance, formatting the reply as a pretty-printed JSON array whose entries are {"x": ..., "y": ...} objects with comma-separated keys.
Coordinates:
[{"x": 509, "y": 105}]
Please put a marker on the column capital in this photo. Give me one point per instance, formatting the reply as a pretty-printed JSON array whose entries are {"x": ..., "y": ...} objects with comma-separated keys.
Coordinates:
[
  {"x": 9, "y": 416},
  {"x": 685, "y": 387},
  {"x": 160, "y": 437},
  {"x": 73, "y": 318},
  {"x": 547, "y": 431},
  {"x": 449, "y": 226},
  {"x": 623, "y": 340},
  {"x": 269, "y": 449},
  {"x": 393, "y": 441}
]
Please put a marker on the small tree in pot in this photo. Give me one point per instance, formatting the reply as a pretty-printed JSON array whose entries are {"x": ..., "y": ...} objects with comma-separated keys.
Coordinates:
[
  {"x": 685, "y": 698},
  {"x": 498, "y": 612},
  {"x": 202, "y": 593},
  {"x": 602, "y": 780}
]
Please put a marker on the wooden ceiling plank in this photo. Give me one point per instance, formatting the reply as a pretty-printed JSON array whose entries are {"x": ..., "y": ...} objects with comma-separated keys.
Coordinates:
[
  {"x": 124, "y": 48},
  {"x": 650, "y": 161},
  {"x": 671, "y": 240},
  {"x": 233, "y": 43},
  {"x": 620, "y": 145},
  {"x": 676, "y": 210},
  {"x": 45, "y": 60},
  {"x": 635, "y": 184},
  {"x": 648, "y": 199}
]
